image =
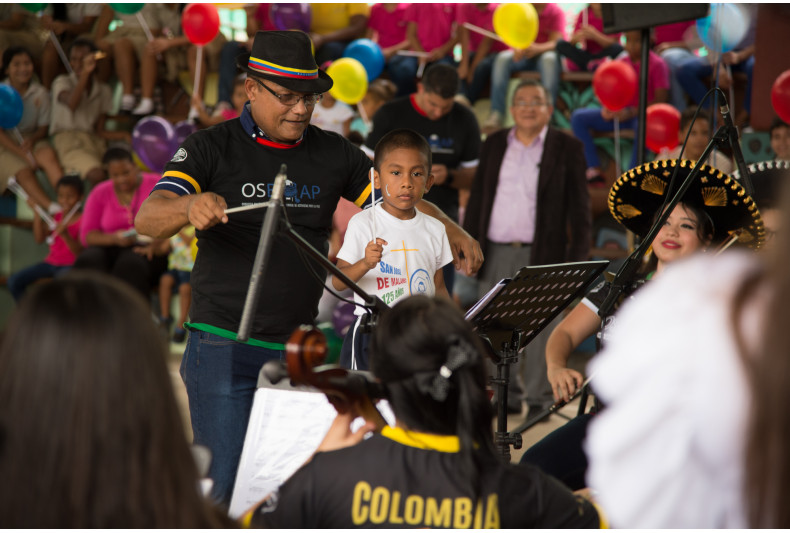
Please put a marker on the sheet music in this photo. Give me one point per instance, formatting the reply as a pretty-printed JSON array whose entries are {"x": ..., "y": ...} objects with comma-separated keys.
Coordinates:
[
  {"x": 285, "y": 428},
  {"x": 485, "y": 299}
]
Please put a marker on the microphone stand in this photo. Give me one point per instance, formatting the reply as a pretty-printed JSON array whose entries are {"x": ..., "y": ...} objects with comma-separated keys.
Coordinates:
[
  {"x": 624, "y": 282},
  {"x": 271, "y": 223}
]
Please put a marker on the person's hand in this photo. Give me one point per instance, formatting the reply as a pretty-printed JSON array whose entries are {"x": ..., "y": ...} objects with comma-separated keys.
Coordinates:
[
  {"x": 564, "y": 382},
  {"x": 146, "y": 250},
  {"x": 662, "y": 46},
  {"x": 196, "y": 102},
  {"x": 340, "y": 435},
  {"x": 88, "y": 64},
  {"x": 58, "y": 27},
  {"x": 206, "y": 210},
  {"x": 463, "y": 70},
  {"x": 434, "y": 55},
  {"x": 525, "y": 53},
  {"x": 439, "y": 173},
  {"x": 730, "y": 58},
  {"x": 467, "y": 254},
  {"x": 725, "y": 80},
  {"x": 26, "y": 145},
  {"x": 373, "y": 252},
  {"x": 388, "y": 52},
  {"x": 157, "y": 46},
  {"x": 123, "y": 239}
]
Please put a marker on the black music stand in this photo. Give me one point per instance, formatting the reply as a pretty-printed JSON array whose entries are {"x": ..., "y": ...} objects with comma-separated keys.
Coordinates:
[{"x": 512, "y": 314}]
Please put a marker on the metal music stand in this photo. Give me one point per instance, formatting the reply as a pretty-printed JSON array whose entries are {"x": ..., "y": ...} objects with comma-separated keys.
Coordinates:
[{"x": 515, "y": 311}]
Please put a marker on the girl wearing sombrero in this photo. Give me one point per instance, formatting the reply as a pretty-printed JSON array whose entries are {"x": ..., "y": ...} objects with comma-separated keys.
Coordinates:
[{"x": 714, "y": 210}]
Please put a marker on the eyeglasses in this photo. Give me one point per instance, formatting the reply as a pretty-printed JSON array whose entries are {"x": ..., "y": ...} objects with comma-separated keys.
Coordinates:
[
  {"x": 291, "y": 99},
  {"x": 534, "y": 103}
]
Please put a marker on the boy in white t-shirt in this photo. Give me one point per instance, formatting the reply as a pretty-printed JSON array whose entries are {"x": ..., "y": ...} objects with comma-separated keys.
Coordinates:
[{"x": 402, "y": 251}]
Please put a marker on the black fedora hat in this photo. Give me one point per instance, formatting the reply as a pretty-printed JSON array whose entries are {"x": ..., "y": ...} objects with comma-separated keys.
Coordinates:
[
  {"x": 638, "y": 194},
  {"x": 286, "y": 58}
]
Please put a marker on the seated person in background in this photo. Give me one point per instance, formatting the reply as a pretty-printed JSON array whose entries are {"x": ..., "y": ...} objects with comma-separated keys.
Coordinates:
[
  {"x": 675, "y": 43},
  {"x": 332, "y": 115},
  {"x": 780, "y": 139},
  {"x": 107, "y": 232},
  {"x": 430, "y": 30},
  {"x": 387, "y": 27},
  {"x": 179, "y": 267},
  {"x": 478, "y": 52},
  {"x": 20, "y": 27},
  {"x": 67, "y": 22},
  {"x": 334, "y": 25},
  {"x": 595, "y": 45},
  {"x": 90, "y": 422},
  {"x": 80, "y": 104},
  {"x": 443, "y": 469},
  {"x": 223, "y": 113},
  {"x": 540, "y": 55},
  {"x": 392, "y": 250},
  {"x": 64, "y": 245},
  {"x": 699, "y": 137},
  {"x": 586, "y": 121},
  {"x": 22, "y": 159}
]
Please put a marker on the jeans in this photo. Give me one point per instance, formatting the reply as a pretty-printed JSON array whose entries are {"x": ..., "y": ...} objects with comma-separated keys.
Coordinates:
[
  {"x": 581, "y": 58},
  {"x": 481, "y": 78},
  {"x": 585, "y": 121},
  {"x": 221, "y": 376},
  {"x": 19, "y": 281},
  {"x": 691, "y": 72},
  {"x": 547, "y": 63},
  {"x": 674, "y": 57}
]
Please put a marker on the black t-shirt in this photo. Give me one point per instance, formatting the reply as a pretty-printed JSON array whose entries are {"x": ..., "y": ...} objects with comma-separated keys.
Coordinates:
[
  {"x": 228, "y": 160},
  {"x": 454, "y": 140},
  {"x": 390, "y": 482}
]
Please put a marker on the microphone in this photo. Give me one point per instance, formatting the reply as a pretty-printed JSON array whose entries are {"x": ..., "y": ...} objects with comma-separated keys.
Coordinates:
[
  {"x": 732, "y": 134},
  {"x": 270, "y": 221}
]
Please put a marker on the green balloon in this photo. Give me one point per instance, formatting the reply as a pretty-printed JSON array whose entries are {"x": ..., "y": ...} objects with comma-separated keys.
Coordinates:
[
  {"x": 127, "y": 9},
  {"x": 34, "y": 8}
]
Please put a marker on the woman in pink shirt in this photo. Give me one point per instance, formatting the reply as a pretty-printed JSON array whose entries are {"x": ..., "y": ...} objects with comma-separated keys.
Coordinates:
[{"x": 111, "y": 243}]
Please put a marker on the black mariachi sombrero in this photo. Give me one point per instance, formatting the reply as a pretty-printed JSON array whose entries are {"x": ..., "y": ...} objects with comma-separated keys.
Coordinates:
[
  {"x": 286, "y": 58},
  {"x": 768, "y": 179},
  {"x": 638, "y": 194}
]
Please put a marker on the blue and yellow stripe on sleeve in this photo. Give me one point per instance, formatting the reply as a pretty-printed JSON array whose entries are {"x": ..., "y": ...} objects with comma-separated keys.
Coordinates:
[
  {"x": 362, "y": 198},
  {"x": 178, "y": 182}
]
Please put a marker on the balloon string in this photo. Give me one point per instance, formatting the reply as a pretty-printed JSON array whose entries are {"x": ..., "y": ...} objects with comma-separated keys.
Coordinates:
[
  {"x": 20, "y": 140},
  {"x": 363, "y": 115},
  {"x": 617, "y": 146},
  {"x": 198, "y": 65},
  {"x": 60, "y": 51},
  {"x": 147, "y": 30},
  {"x": 482, "y": 31},
  {"x": 373, "y": 203}
]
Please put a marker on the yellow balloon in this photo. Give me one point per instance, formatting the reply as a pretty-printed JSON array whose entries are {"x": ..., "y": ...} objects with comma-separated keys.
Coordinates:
[
  {"x": 351, "y": 80},
  {"x": 516, "y": 24},
  {"x": 142, "y": 166}
]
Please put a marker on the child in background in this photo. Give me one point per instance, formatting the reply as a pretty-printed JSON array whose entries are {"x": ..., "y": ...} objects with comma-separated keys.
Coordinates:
[
  {"x": 380, "y": 91},
  {"x": 65, "y": 244},
  {"x": 596, "y": 45},
  {"x": 222, "y": 113},
  {"x": 478, "y": 52},
  {"x": 402, "y": 251},
  {"x": 780, "y": 139},
  {"x": 180, "y": 262},
  {"x": 332, "y": 115},
  {"x": 698, "y": 140},
  {"x": 586, "y": 121}
]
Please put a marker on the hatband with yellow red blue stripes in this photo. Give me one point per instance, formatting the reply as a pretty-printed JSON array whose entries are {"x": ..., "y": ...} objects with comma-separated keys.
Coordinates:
[{"x": 267, "y": 67}]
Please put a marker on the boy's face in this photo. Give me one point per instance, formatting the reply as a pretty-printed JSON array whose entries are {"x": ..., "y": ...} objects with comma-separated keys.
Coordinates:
[
  {"x": 633, "y": 45},
  {"x": 68, "y": 197},
  {"x": 780, "y": 142},
  {"x": 76, "y": 57},
  {"x": 698, "y": 139},
  {"x": 403, "y": 178}
]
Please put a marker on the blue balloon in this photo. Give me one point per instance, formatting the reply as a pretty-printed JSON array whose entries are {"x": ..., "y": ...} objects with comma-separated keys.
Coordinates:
[
  {"x": 10, "y": 107},
  {"x": 723, "y": 28},
  {"x": 369, "y": 54}
]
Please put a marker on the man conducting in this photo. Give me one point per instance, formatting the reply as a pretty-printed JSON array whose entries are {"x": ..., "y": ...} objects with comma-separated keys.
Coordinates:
[{"x": 233, "y": 164}]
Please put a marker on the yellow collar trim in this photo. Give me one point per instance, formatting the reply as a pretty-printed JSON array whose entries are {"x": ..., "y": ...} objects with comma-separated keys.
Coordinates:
[{"x": 424, "y": 441}]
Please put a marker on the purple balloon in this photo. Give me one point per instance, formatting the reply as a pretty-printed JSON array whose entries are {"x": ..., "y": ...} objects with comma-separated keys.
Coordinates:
[
  {"x": 182, "y": 130},
  {"x": 342, "y": 318},
  {"x": 152, "y": 140},
  {"x": 291, "y": 16}
]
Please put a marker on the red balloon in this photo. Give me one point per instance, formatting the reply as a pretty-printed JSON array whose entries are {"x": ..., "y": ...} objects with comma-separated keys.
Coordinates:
[
  {"x": 200, "y": 23},
  {"x": 614, "y": 83},
  {"x": 662, "y": 127},
  {"x": 780, "y": 95}
]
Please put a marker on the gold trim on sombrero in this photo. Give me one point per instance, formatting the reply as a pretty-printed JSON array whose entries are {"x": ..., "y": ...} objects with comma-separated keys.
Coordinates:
[
  {"x": 714, "y": 196},
  {"x": 628, "y": 211},
  {"x": 654, "y": 184}
]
